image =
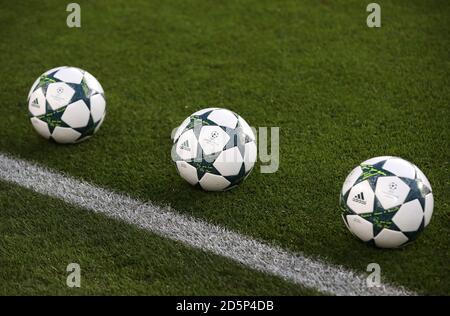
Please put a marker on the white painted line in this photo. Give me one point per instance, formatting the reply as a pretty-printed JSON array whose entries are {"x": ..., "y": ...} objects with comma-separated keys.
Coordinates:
[{"x": 166, "y": 222}]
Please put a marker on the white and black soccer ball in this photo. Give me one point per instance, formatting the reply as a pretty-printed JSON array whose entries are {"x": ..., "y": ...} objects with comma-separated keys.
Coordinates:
[
  {"x": 386, "y": 201},
  {"x": 214, "y": 149},
  {"x": 67, "y": 105}
]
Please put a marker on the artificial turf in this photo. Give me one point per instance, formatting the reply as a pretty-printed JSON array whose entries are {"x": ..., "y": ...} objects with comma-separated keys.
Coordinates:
[{"x": 339, "y": 91}]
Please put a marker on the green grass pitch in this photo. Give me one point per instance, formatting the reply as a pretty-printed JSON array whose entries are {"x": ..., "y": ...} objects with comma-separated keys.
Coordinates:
[{"x": 339, "y": 91}]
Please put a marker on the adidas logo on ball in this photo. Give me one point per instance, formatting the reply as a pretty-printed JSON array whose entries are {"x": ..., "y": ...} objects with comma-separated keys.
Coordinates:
[
  {"x": 35, "y": 103},
  {"x": 359, "y": 198},
  {"x": 185, "y": 146}
]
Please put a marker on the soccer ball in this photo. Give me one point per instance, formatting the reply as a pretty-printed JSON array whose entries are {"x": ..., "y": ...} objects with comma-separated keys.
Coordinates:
[
  {"x": 67, "y": 105},
  {"x": 386, "y": 201},
  {"x": 214, "y": 149}
]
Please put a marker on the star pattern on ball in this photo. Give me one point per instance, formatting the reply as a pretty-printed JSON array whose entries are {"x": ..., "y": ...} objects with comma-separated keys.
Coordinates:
[
  {"x": 204, "y": 165},
  {"x": 45, "y": 81},
  {"x": 222, "y": 158},
  {"x": 381, "y": 218},
  {"x": 235, "y": 180},
  {"x": 89, "y": 130},
  {"x": 237, "y": 139},
  {"x": 71, "y": 117},
  {"x": 53, "y": 118},
  {"x": 197, "y": 121},
  {"x": 417, "y": 191},
  {"x": 371, "y": 171},
  {"x": 399, "y": 202}
]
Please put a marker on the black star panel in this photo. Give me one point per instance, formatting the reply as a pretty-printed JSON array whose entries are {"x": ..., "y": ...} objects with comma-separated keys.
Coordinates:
[
  {"x": 205, "y": 165},
  {"x": 89, "y": 130},
  {"x": 381, "y": 218},
  {"x": 79, "y": 94},
  {"x": 235, "y": 180},
  {"x": 197, "y": 122},
  {"x": 53, "y": 118},
  {"x": 417, "y": 191},
  {"x": 44, "y": 81},
  {"x": 372, "y": 172},
  {"x": 236, "y": 140}
]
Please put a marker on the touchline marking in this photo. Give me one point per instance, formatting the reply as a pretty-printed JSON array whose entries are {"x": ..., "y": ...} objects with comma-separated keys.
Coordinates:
[{"x": 164, "y": 221}]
